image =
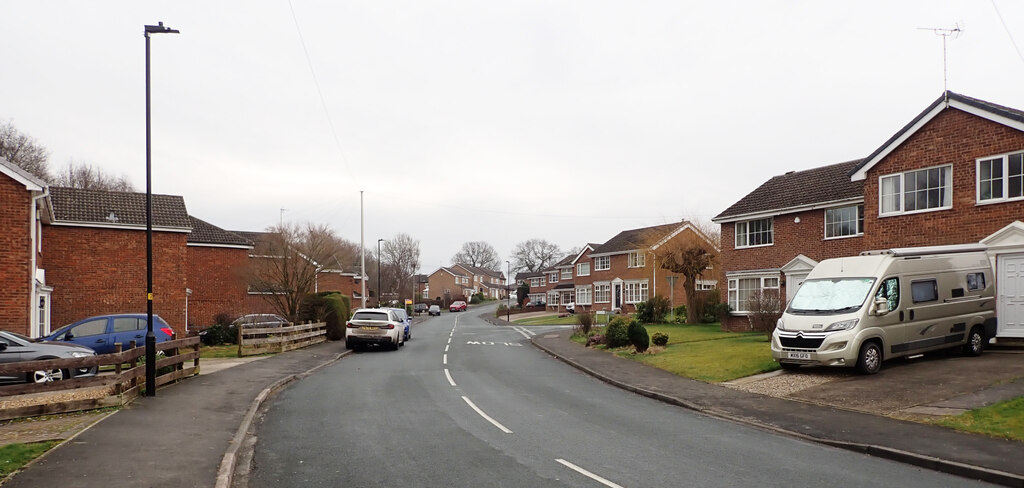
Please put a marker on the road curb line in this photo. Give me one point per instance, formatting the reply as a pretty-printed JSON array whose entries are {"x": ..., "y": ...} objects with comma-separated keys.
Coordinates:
[
  {"x": 38, "y": 458},
  {"x": 920, "y": 460},
  {"x": 226, "y": 471}
]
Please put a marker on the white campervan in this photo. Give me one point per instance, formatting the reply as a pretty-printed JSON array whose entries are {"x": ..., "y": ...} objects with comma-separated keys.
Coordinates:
[{"x": 861, "y": 310}]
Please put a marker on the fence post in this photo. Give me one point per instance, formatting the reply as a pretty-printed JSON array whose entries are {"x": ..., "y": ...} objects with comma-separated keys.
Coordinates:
[
  {"x": 118, "y": 386},
  {"x": 134, "y": 361},
  {"x": 239, "y": 328},
  {"x": 195, "y": 362}
]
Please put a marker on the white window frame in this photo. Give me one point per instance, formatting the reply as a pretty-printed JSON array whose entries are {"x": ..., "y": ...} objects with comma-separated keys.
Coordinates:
[
  {"x": 606, "y": 260},
  {"x": 553, "y": 277},
  {"x": 746, "y": 233},
  {"x": 635, "y": 291},
  {"x": 859, "y": 222},
  {"x": 637, "y": 259},
  {"x": 583, "y": 269},
  {"x": 765, "y": 282},
  {"x": 901, "y": 192},
  {"x": 602, "y": 289},
  {"x": 1004, "y": 160},
  {"x": 567, "y": 273},
  {"x": 584, "y": 295},
  {"x": 553, "y": 297}
]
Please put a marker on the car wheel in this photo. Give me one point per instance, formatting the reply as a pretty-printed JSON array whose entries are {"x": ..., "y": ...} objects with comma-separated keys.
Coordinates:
[
  {"x": 396, "y": 344},
  {"x": 46, "y": 376},
  {"x": 869, "y": 361},
  {"x": 349, "y": 344},
  {"x": 975, "y": 342}
]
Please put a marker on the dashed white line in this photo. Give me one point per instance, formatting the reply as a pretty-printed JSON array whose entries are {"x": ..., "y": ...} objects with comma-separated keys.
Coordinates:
[
  {"x": 586, "y": 473},
  {"x": 445, "y": 359},
  {"x": 449, "y": 376},
  {"x": 487, "y": 417},
  {"x": 446, "y": 347}
]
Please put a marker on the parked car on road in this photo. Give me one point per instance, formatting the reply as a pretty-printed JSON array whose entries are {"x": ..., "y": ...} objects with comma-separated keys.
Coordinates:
[
  {"x": 100, "y": 333},
  {"x": 260, "y": 320},
  {"x": 434, "y": 310},
  {"x": 375, "y": 326},
  {"x": 457, "y": 306},
  {"x": 400, "y": 312},
  {"x": 16, "y": 347},
  {"x": 419, "y": 308}
]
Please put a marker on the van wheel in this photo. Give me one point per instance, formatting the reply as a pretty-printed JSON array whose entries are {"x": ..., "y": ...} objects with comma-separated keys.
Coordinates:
[
  {"x": 869, "y": 361},
  {"x": 975, "y": 342}
]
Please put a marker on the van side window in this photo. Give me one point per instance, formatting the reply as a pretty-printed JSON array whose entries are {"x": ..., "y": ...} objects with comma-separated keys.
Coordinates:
[
  {"x": 975, "y": 281},
  {"x": 924, "y": 291},
  {"x": 890, "y": 291}
]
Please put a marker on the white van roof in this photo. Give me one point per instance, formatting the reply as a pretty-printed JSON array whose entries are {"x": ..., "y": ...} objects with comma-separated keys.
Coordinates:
[{"x": 926, "y": 250}]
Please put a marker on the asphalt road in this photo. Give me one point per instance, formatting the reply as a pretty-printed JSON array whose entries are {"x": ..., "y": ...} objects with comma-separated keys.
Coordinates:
[{"x": 466, "y": 403}]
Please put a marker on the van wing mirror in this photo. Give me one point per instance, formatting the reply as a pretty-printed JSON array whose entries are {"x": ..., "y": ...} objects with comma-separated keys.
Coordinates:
[{"x": 881, "y": 306}]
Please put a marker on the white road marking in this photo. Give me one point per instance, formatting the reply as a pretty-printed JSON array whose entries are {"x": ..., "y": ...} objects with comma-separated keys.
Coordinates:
[
  {"x": 446, "y": 347},
  {"x": 586, "y": 473},
  {"x": 487, "y": 417},
  {"x": 521, "y": 332},
  {"x": 445, "y": 360},
  {"x": 449, "y": 340},
  {"x": 449, "y": 376}
]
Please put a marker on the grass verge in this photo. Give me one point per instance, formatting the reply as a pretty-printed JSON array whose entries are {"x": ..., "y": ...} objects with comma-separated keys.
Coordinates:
[
  {"x": 547, "y": 320},
  {"x": 224, "y": 351},
  {"x": 14, "y": 456},
  {"x": 704, "y": 352},
  {"x": 1004, "y": 420}
]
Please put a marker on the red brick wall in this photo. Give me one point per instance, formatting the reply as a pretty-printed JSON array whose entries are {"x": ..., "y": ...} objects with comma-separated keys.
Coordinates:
[
  {"x": 216, "y": 276},
  {"x": 346, "y": 285},
  {"x": 15, "y": 256},
  {"x": 100, "y": 271},
  {"x": 441, "y": 280},
  {"x": 957, "y": 138}
]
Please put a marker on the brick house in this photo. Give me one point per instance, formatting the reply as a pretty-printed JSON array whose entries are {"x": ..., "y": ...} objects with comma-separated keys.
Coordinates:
[
  {"x": 422, "y": 284},
  {"x": 94, "y": 254},
  {"x": 449, "y": 284},
  {"x": 25, "y": 296},
  {"x": 216, "y": 261},
  {"x": 953, "y": 175},
  {"x": 538, "y": 282},
  {"x": 487, "y": 281}
]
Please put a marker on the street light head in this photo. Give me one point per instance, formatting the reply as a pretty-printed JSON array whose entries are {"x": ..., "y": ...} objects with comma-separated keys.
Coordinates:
[{"x": 159, "y": 29}]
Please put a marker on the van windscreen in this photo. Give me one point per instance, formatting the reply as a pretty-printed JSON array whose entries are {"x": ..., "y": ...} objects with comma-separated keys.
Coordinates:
[{"x": 831, "y": 295}]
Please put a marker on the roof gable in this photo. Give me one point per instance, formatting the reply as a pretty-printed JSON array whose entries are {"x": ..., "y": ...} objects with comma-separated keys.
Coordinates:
[
  {"x": 634, "y": 239},
  {"x": 206, "y": 233},
  {"x": 31, "y": 182},
  {"x": 797, "y": 191},
  {"x": 1007, "y": 116},
  {"x": 101, "y": 208}
]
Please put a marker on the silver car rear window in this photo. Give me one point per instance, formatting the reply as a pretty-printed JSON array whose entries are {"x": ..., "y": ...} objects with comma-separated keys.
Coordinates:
[{"x": 382, "y": 316}]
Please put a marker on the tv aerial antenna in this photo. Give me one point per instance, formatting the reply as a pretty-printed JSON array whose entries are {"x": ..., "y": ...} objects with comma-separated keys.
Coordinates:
[{"x": 945, "y": 33}]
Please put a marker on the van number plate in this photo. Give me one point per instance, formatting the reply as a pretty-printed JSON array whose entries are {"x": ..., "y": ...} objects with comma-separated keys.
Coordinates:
[{"x": 798, "y": 355}]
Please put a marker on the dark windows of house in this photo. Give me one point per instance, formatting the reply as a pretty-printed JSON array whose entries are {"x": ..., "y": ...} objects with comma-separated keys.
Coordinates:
[
  {"x": 754, "y": 233},
  {"x": 844, "y": 221}
]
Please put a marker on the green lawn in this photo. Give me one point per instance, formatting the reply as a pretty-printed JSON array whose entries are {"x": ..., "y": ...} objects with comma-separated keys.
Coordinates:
[
  {"x": 547, "y": 320},
  {"x": 225, "y": 351},
  {"x": 14, "y": 456},
  {"x": 1004, "y": 420},
  {"x": 705, "y": 352}
]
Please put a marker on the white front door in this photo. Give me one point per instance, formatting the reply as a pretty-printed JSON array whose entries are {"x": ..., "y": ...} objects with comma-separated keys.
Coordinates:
[
  {"x": 793, "y": 282},
  {"x": 1010, "y": 285}
]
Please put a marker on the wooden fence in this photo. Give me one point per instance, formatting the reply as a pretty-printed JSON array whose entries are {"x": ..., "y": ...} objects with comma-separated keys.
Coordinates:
[
  {"x": 279, "y": 339},
  {"x": 110, "y": 387}
]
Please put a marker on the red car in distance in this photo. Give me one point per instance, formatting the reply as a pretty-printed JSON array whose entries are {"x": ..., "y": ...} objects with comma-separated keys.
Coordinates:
[{"x": 459, "y": 306}]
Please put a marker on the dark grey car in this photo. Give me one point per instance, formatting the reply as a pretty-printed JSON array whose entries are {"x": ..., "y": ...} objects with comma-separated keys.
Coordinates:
[{"x": 16, "y": 347}]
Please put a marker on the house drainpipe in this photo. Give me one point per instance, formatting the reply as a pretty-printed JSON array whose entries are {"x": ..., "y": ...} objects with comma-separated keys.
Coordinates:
[{"x": 35, "y": 238}]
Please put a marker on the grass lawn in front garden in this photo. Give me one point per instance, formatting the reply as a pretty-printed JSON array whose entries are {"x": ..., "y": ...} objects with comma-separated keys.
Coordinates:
[
  {"x": 547, "y": 320},
  {"x": 223, "y": 351},
  {"x": 1005, "y": 420},
  {"x": 14, "y": 456},
  {"x": 705, "y": 352}
]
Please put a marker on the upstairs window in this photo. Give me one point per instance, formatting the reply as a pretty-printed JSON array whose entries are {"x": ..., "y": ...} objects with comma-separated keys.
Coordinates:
[
  {"x": 554, "y": 277},
  {"x": 916, "y": 191},
  {"x": 636, "y": 260},
  {"x": 583, "y": 269},
  {"x": 755, "y": 233},
  {"x": 567, "y": 273},
  {"x": 602, "y": 263},
  {"x": 844, "y": 221},
  {"x": 1001, "y": 178}
]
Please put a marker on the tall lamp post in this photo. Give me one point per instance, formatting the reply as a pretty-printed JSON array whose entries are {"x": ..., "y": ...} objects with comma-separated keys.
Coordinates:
[
  {"x": 508, "y": 292},
  {"x": 378, "y": 271},
  {"x": 150, "y": 337}
]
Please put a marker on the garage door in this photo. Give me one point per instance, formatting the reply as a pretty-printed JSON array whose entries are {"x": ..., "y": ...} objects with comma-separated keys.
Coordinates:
[{"x": 1011, "y": 295}]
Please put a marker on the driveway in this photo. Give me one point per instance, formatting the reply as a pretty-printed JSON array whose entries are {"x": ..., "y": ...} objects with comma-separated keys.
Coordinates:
[{"x": 928, "y": 386}]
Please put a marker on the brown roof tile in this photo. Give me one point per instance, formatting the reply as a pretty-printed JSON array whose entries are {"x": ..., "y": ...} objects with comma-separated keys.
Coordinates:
[
  {"x": 800, "y": 188},
  {"x": 206, "y": 233},
  {"x": 116, "y": 208},
  {"x": 629, "y": 240}
]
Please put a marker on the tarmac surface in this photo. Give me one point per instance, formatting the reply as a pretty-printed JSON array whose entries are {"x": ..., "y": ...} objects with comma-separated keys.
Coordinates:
[{"x": 185, "y": 435}]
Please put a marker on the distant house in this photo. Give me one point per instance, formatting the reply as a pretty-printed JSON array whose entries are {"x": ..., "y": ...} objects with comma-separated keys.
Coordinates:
[
  {"x": 449, "y": 284},
  {"x": 487, "y": 281},
  {"x": 216, "y": 263},
  {"x": 953, "y": 175}
]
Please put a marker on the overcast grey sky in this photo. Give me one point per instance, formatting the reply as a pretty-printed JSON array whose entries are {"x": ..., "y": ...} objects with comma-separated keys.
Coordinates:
[{"x": 484, "y": 120}]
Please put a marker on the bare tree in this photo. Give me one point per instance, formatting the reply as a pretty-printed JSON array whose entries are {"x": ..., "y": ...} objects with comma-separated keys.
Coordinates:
[
  {"x": 23, "y": 151},
  {"x": 479, "y": 254},
  {"x": 89, "y": 177},
  {"x": 399, "y": 260},
  {"x": 535, "y": 255},
  {"x": 285, "y": 265},
  {"x": 690, "y": 253}
]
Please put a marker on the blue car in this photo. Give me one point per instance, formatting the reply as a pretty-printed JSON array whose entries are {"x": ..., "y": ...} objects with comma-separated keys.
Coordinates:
[
  {"x": 100, "y": 333},
  {"x": 405, "y": 320}
]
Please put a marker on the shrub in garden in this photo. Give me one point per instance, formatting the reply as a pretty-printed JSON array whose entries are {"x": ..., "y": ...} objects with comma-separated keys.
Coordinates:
[
  {"x": 680, "y": 314},
  {"x": 660, "y": 339},
  {"x": 615, "y": 334},
  {"x": 502, "y": 311},
  {"x": 219, "y": 334},
  {"x": 585, "y": 321},
  {"x": 329, "y": 307},
  {"x": 476, "y": 298},
  {"x": 638, "y": 337}
]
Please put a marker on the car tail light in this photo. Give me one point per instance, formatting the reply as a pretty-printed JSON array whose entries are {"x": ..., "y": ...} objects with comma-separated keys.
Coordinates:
[
  {"x": 350, "y": 325},
  {"x": 389, "y": 326},
  {"x": 167, "y": 330}
]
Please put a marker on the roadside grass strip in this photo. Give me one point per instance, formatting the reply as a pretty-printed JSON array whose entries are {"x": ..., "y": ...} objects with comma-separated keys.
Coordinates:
[
  {"x": 1004, "y": 420},
  {"x": 588, "y": 474},
  {"x": 486, "y": 417},
  {"x": 547, "y": 320},
  {"x": 15, "y": 456}
]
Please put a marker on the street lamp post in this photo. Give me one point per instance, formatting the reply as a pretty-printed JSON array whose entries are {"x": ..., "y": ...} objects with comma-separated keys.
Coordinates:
[
  {"x": 508, "y": 292},
  {"x": 150, "y": 337},
  {"x": 378, "y": 271}
]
